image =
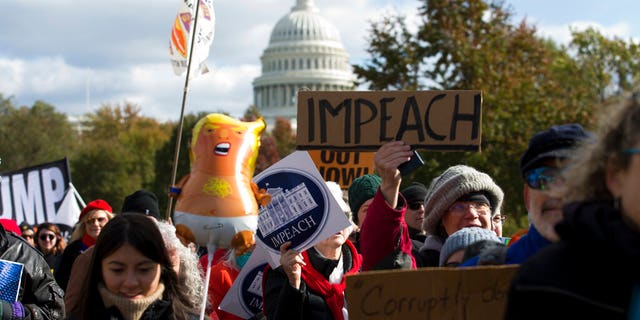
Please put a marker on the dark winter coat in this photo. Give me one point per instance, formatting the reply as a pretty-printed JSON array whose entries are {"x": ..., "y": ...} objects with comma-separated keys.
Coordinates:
[
  {"x": 39, "y": 297},
  {"x": 592, "y": 273}
]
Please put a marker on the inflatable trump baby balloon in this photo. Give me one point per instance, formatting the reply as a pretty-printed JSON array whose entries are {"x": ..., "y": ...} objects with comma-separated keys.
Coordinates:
[{"x": 218, "y": 198}]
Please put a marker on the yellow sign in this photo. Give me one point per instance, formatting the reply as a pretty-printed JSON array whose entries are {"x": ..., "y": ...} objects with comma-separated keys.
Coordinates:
[{"x": 342, "y": 167}]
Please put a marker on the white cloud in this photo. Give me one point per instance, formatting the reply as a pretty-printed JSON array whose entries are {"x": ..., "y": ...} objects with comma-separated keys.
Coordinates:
[
  {"x": 562, "y": 33},
  {"x": 78, "y": 55}
]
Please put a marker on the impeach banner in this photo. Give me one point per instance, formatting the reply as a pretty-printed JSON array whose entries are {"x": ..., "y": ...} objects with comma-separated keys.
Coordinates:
[
  {"x": 430, "y": 293},
  {"x": 342, "y": 167},
  {"x": 365, "y": 120},
  {"x": 35, "y": 194}
]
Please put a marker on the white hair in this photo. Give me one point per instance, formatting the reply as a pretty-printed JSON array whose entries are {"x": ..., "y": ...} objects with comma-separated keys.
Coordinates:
[{"x": 190, "y": 274}]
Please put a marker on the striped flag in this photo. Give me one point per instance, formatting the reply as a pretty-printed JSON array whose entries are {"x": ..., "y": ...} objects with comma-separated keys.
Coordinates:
[{"x": 180, "y": 42}]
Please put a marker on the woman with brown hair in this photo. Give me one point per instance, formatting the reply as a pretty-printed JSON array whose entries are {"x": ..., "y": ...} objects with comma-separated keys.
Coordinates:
[{"x": 50, "y": 242}]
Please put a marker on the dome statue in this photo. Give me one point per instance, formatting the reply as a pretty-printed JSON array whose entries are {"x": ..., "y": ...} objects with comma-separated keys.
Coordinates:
[{"x": 305, "y": 52}]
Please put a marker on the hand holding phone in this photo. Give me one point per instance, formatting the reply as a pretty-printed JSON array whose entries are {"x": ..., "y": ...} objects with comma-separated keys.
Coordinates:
[{"x": 414, "y": 163}]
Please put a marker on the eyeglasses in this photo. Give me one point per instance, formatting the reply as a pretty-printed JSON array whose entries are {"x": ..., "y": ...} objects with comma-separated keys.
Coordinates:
[
  {"x": 499, "y": 218},
  {"x": 544, "y": 177},
  {"x": 462, "y": 207},
  {"x": 415, "y": 205},
  {"x": 631, "y": 151},
  {"x": 45, "y": 237},
  {"x": 101, "y": 220}
]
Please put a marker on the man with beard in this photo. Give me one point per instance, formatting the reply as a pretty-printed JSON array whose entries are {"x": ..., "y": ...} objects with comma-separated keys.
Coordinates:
[{"x": 541, "y": 166}]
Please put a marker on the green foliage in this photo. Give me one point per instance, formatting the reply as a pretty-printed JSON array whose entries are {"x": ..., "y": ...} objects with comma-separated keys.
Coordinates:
[
  {"x": 33, "y": 135},
  {"x": 117, "y": 153},
  {"x": 529, "y": 83}
]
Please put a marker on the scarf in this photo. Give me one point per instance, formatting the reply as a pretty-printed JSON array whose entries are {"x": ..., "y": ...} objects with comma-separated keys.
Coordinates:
[
  {"x": 130, "y": 309},
  {"x": 332, "y": 293},
  {"x": 87, "y": 242}
]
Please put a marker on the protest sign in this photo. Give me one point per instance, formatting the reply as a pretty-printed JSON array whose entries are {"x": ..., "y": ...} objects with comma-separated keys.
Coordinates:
[
  {"x": 342, "y": 167},
  {"x": 244, "y": 298},
  {"x": 10, "y": 278},
  {"x": 41, "y": 193},
  {"x": 364, "y": 120},
  {"x": 302, "y": 209},
  {"x": 430, "y": 293}
]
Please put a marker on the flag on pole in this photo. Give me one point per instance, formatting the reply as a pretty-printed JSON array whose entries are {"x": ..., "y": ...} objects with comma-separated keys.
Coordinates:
[
  {"x": 69, "y": 211},
  {"x": 180, "y": 41}
]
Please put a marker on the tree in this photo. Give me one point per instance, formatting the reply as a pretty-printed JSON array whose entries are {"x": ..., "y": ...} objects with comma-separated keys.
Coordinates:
[
  {"x": 33, "y": 135},
  {"x": 117, "y": 154},
  {"x": 528, "y": 83},
  {"x": 395, "y": 62},
  {"x": 611, "y": 64},
  {"x": 284, "y": 136}
]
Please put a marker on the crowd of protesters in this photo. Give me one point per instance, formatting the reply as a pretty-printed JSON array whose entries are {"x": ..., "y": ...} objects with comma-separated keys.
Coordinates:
[{"x": 579, "y": 190}]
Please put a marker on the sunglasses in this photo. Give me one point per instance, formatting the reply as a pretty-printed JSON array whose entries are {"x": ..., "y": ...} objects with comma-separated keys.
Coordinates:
[
  {"x": 631, "y": 151},
  {"x": 45, "y": 237},
  {"x": 544, "y": 177},
  {"x": 415, "y": 205}
]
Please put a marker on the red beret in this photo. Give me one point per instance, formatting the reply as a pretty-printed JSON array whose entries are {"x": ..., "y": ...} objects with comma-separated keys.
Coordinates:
[
  {"x": 10, "y": 225},
  {"x": 95, "y": 205}
]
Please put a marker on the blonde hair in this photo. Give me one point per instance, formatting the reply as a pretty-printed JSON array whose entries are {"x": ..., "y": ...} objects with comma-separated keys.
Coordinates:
[
  {"x": 79, "y": 230},
  {"x": 619, "y": 129}
]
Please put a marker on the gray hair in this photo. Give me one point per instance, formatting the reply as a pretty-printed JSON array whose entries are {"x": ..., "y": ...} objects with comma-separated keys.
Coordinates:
[{"x": 190, "y": 275}]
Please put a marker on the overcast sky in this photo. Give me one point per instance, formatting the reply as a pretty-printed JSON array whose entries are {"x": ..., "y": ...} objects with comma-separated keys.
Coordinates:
[{"x": 79, "y": 54}]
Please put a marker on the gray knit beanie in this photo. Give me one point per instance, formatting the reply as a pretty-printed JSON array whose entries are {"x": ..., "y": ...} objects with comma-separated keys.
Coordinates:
[
  {"x": 464, "y": 238},
  {"x": 452, "y": 184}
]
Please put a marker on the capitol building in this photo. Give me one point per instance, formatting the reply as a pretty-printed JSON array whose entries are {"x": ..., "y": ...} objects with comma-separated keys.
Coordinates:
[{"x": 305, "y": 52}]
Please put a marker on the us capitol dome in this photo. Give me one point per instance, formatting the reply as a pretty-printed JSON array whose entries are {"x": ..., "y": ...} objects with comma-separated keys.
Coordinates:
[{"x": 304, "y": 52}]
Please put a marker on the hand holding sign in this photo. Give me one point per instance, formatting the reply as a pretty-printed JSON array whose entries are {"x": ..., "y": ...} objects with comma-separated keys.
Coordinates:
[{"x": 292, "y": 263}]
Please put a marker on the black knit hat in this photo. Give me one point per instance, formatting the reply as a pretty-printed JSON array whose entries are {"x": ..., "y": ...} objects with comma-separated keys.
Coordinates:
[
  {"x": 416, "y": 192},
  {"x": 142, "y": 201},
  {"x": 555, "y": 142}
]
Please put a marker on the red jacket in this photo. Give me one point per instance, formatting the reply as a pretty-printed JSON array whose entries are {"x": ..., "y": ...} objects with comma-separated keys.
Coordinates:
[{"x": 380, "y": 230}]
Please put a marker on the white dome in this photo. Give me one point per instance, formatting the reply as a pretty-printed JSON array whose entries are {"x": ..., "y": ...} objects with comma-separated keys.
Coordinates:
[
  {"x": 304, "y": 51},
  {"x": 304, "y": 23}
]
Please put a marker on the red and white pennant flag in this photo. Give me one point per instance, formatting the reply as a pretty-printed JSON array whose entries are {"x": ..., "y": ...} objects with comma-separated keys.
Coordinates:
[{"x": 180, "y": 42}]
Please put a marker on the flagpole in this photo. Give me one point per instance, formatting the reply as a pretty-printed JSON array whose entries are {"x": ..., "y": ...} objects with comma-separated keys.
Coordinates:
[{"x": 181, "y": 122}]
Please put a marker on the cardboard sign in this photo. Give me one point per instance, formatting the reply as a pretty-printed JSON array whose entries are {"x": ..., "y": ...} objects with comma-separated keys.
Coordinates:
[
  {"x": 430, "y": 293},
  {"x": 302, "y": 209},
  {"x": 342, "y": 167},
  {"x": 365, "y": 120}
]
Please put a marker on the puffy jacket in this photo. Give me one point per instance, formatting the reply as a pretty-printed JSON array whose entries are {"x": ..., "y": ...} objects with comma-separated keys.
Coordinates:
[{"x": 40, "y": 297}]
